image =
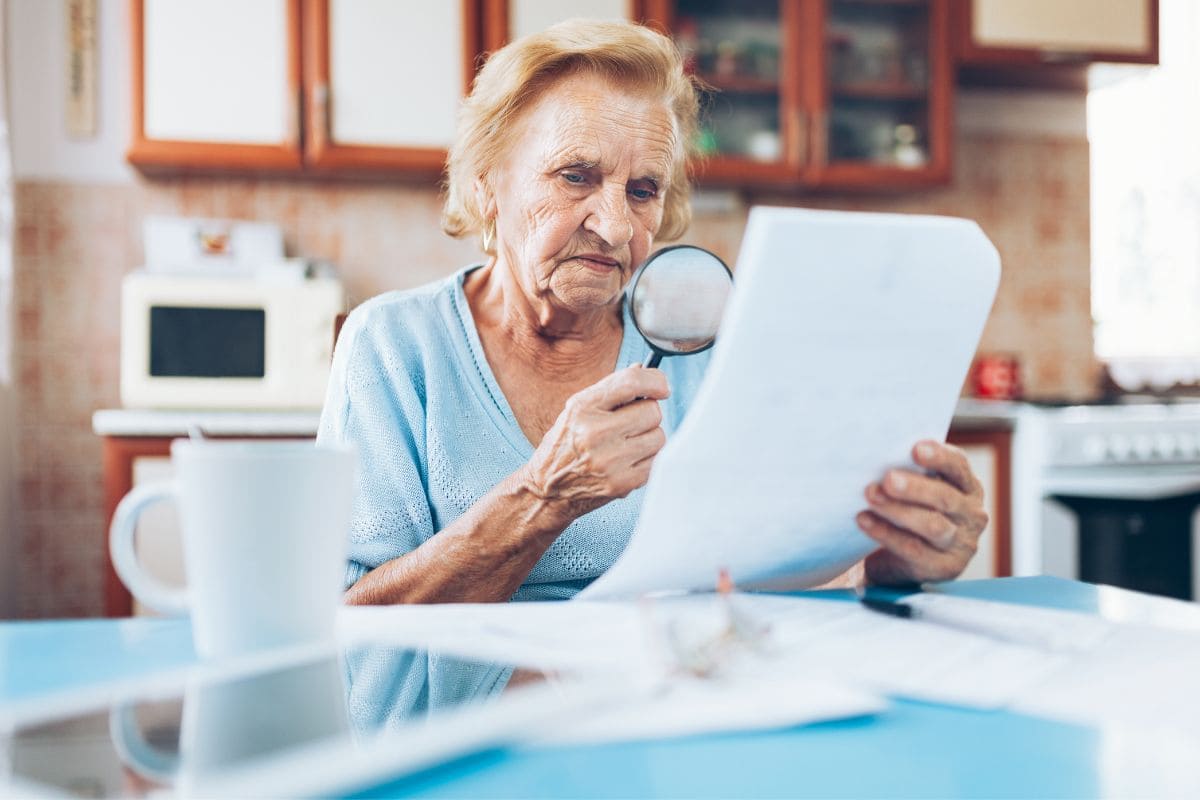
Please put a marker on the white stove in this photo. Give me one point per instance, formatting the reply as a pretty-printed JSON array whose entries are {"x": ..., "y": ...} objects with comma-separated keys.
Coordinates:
[{"x": 1109, "y": 494}]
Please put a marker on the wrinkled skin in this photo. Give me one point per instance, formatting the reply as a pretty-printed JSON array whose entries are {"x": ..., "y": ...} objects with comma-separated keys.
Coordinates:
[{"x": 928, "y": 526}]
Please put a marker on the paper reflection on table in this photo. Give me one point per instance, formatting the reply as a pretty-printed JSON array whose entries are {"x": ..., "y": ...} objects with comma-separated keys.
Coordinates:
[{"x": 198, "y": 735}]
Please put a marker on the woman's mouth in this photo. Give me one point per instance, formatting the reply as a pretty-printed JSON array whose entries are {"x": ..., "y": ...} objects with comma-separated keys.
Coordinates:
[{"x": 599, "y": 263}]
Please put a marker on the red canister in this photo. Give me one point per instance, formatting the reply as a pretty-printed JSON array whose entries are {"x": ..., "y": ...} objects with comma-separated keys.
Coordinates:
[{"x": 996, "y": 376}]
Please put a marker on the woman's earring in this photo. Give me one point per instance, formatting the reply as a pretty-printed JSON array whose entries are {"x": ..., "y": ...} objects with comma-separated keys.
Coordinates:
[{"x": 489, "y": 235}]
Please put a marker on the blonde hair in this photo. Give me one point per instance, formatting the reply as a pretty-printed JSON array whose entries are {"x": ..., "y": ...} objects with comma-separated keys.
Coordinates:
[{"x": 515, "y": 75}]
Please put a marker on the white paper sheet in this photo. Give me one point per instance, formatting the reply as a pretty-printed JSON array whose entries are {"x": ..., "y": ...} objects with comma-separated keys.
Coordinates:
[
  {"x": 688, "y": 707},
  {"x": 901, "y": 657},
  {"x": 827, "y": 641},
  {"x": 1140, "y": 677},
  {"x": 633, "y": 644},
  {"x": 847, "y": 340},
  {"x": 592, "y": 637}
]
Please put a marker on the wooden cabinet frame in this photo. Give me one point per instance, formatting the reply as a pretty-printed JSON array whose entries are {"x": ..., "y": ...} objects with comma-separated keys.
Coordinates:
[
  {"x": 805, "y": 102},
  {"x": 321, "y": 151},
  {"x": 309, "y": 148},
  {"x": 971, "y": 54},
  {"x": 158, "y": 153},
  {"x": 939, "y": 101}
]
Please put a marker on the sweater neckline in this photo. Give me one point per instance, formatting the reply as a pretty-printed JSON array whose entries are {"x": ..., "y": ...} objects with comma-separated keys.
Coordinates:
[{"x": 486, "y": 385}]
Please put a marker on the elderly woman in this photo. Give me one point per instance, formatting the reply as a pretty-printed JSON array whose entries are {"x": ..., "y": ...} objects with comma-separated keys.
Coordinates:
[{"x": 504, "y": 423}]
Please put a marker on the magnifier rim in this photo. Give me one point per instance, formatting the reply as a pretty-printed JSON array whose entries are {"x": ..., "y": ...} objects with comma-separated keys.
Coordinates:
[{"x": 633, "y": 288}]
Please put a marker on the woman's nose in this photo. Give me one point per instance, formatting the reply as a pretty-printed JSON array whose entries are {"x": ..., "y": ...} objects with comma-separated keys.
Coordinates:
[{"x": 610, "y": 218}]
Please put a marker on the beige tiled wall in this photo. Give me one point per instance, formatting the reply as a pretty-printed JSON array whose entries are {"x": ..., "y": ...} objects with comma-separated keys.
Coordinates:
[{"x": 74, "y": 242}]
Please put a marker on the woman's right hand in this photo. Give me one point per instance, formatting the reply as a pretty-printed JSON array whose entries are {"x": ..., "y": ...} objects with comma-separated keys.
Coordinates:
[{"x": 602, "y": 444}]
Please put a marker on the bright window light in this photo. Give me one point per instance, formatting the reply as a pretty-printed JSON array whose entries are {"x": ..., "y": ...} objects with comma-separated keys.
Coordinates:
[{"x": 1144, "y": 128}]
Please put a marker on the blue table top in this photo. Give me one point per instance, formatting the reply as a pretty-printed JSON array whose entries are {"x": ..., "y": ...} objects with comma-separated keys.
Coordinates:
[{"x": 910, "y": 750}]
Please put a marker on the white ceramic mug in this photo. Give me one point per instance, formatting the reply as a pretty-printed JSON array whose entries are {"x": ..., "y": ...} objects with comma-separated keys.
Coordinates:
[{"x": 264, "y": 527}]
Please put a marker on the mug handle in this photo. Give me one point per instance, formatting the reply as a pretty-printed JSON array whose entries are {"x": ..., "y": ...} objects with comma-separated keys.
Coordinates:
[
  {"x": 135, "y": 752},
  {"x": 150, "y": 590}
]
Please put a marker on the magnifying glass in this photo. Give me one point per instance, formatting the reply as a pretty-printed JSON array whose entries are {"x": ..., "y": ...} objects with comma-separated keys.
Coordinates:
[{"x": 676, "y": 300}]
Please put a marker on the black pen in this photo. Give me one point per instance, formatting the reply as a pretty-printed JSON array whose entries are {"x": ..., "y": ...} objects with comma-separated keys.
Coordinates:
[
  {"x": 959, "y": 621},
  {"x": 1041, "y": 628},
  {"x": 889, "y": 607}
]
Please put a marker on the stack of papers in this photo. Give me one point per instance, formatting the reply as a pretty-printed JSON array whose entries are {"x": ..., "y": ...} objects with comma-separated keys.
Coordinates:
[{"x": 786, "y": 660}]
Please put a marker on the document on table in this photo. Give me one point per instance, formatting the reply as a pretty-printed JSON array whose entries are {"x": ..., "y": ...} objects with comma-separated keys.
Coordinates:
[
  {"x": 824, "y": 641},
  {"x": 1140, "y": 677},
  {"x": 846, "y": 340}
]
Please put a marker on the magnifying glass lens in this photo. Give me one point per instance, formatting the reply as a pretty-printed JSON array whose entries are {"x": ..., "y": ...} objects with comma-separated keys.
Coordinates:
[{"x": 677, "y": 300}]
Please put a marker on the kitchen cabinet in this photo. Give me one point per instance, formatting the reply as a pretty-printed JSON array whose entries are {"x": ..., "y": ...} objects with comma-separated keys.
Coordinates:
[
  {"x": 505, "y": 20},
  {"x": 216, "y": 83},
  {"x": 299, "y": 85},
  {"x": 989, "y": 451},
  {"x": 1034, "y": 32},
  {"x": 818, "y": 93},
  {"x": 383, "y": 81}
]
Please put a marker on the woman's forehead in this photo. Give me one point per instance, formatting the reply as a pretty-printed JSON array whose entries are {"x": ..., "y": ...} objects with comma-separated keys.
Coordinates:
[{"x": 590, "y": 118}]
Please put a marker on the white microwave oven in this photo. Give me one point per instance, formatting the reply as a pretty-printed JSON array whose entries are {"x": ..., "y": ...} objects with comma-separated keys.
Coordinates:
[{"x": 226, "y": 342}]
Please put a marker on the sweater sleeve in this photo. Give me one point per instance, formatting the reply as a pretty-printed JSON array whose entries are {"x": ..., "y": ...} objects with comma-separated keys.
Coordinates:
[{"x": 375, "y": 403}]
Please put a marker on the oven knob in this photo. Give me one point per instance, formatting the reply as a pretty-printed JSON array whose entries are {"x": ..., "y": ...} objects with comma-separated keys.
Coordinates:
[
  {"x": 1119, "y": 447},
  {"x": 1092, "y": 449},
  {"x": 1143, "y": 447},
  {"x": 1188, "y": 445},
  {"x": 1165, "y": 446}
]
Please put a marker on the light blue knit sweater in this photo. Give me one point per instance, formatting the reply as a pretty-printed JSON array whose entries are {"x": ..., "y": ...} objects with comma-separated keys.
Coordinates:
[{"x": 412, "y": 390}]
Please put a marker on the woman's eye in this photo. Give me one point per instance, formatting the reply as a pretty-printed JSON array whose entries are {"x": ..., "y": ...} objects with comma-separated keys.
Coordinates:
[
  {"x": 573, "y": 177},
  {"x": 643, "y": 191}
]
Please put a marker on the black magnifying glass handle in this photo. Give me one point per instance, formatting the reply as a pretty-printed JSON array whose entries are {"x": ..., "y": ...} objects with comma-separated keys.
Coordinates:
[{"x": 652, "y": 360}]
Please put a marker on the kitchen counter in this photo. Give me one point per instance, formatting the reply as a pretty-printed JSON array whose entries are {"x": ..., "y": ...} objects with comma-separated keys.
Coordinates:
[
  {"x": 142, "y": 422},
  {"x": 969, "y": 415}
]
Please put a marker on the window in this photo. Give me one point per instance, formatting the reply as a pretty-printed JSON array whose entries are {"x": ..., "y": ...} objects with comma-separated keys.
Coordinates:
[{"x": 1144, "y": 128}]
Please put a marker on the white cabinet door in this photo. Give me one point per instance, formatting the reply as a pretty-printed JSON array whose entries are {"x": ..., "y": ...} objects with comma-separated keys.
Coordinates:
[
  {"x": 531, "y": 16},
  {"x": 396, "y": 72},
  {"x": 216, "y": 83},
  {"x": 1065, "y": 26}
]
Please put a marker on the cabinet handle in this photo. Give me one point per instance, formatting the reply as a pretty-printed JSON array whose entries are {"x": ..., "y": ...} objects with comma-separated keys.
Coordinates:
[
  {"x": 798, "y": 123},
  {"x": 294, "y": 123},
  {"x": 321, "y": 101},
  {"x": 819, "y": 154}
]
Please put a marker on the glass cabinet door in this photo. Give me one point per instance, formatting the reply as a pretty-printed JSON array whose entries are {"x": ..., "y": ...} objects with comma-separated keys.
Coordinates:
[
  {"x": 884, "y": 109},
  {"x": 741, "y": 51}
]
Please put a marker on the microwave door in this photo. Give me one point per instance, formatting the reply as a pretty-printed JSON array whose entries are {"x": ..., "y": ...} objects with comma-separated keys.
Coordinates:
[{"x": 199, "y": 342}]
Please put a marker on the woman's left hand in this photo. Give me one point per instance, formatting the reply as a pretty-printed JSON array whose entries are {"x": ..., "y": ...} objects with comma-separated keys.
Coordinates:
[{"x": 928, "y": 525}]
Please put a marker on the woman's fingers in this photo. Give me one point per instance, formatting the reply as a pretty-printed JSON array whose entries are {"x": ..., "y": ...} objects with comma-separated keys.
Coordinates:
[
  {"x": 645, "y": 446},
  {"x": 949, "y": 462},
  {"x": 639, "y": 417},
  {"x": 934, "y": 493},
  {"x": 905, "y": 557},
  {"x": 928, "y": 525},
  {"x": 602, "y": 444},
  {"x": 933, "y": 526},
  {"x": 623, "y": 387}
]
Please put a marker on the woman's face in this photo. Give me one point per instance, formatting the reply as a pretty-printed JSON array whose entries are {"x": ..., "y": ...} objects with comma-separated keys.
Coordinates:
[{"x": 578, "y": 196}]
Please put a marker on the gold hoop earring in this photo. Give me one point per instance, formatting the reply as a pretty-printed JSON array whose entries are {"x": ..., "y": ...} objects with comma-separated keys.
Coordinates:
[{"x": 489, "y": 236}]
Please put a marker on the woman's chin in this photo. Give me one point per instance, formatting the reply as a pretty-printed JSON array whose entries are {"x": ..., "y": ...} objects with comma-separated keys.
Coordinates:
[{"x": 588, "y": 290}]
